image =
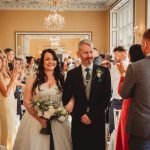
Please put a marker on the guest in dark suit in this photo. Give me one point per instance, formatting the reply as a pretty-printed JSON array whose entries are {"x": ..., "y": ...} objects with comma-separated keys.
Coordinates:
[
  {"x": 90, "y": 85},
  {"x": 137, "y": 86}
]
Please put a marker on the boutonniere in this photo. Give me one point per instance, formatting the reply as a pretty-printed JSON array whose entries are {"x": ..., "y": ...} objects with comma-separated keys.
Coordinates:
[{"x": 99, "y": 73}]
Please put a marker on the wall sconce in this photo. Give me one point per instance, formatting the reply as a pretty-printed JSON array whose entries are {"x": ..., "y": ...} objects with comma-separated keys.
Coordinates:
[{"x": 136, "y": 31}]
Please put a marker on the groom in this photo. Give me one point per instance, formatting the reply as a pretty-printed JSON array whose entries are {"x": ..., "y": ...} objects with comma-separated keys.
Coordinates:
[{"x": 90, "y": 86}]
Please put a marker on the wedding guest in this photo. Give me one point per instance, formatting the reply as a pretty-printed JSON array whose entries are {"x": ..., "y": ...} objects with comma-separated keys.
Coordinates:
[
  {"x": 137, "y": 86},
  {"x": 20, "y": 85},
  {"x": 135, "y": 54},
  {"x": 30, "y": 67},
  {"x": 2, "y": 54},
  {"x": 97, "y": 57},
  {"x": 108, "y": 62},
  {"x": 10, "y": 57},
  {"x": 120, "y": 56},
  {"x": 7, "y": 105}
]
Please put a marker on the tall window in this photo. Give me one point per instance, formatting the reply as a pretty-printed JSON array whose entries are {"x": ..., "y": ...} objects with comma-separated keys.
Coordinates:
[{"x": 121, "y": 25}]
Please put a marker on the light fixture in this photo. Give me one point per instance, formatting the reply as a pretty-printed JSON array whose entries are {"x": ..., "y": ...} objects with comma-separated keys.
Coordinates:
[
  {"x": 54, "y": 42},
  {"x": 54, "y": 21},
  {"x": 136, "y": 31}
]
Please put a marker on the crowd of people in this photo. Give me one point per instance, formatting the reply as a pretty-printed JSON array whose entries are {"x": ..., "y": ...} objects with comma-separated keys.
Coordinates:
[
  {"x": 13, "y": 75},
  {"x": 89, "y": 88}
]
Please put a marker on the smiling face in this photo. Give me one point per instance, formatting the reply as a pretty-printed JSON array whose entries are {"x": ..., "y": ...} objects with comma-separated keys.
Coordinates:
[
  {"x": 49, "y": 62},
  {"x": 32, "y": 61},
  {"x": 86, "y": 54},
  {"x": 10, "y": 56},
  {"x": 17, "y": 63}
]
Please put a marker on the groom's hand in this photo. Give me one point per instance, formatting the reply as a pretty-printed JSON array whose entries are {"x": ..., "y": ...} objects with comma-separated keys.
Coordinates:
[{"x": 85, "y": 119}]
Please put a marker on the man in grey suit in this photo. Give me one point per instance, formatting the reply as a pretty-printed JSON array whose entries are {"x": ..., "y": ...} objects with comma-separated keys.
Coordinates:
[{"x": 137, "y": 86}]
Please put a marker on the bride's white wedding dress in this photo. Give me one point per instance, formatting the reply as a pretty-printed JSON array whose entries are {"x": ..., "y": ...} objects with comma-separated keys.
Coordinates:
[
  {"x": 29, "y": 138},
  {"x": 8, "y": 119}
]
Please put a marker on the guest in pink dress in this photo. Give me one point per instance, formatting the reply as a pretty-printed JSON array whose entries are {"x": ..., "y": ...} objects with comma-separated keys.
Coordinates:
[{"x": 135, "y": 54}]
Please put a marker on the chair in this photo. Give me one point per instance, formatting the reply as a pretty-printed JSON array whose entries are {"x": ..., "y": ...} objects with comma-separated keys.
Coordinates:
[
  {"x": 116, "y": 117},
  {"x": 112, "y": 142}
]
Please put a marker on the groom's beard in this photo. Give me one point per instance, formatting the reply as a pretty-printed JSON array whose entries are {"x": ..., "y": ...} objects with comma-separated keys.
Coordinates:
[{"x": 89, "y": 60}]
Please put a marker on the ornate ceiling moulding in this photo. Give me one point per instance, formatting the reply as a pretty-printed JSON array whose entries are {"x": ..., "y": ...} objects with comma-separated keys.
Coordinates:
[{"x": 70, "y": 5}]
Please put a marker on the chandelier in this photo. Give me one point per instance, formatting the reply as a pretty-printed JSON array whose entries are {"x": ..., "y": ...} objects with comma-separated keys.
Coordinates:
[
  {"x": 54, "y": 21},
  {"x": 54, "y": 42}
]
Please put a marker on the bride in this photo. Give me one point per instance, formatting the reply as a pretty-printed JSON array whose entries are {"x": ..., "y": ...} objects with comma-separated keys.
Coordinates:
[
  {"x": 48, "y": 80},
  {"x": 8, "y": 105}
]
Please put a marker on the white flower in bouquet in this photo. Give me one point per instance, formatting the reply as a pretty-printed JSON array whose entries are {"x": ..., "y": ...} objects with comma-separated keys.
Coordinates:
[
  {"x": 48, "y": 114},
  {"x": 38, "y": 104},
  {"x": 64, "y": 112},
  {"x": 40, "y": 114},
  {"x": 61, "y": 111},
  {"x": 62, "y": 118}
]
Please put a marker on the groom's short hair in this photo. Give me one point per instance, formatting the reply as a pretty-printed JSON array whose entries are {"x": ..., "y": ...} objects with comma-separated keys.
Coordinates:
[{"x": 85, "y": 41}]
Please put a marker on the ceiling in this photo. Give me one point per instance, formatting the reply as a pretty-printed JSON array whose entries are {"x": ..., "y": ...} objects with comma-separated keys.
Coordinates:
[{"x": 76, "y": 5}]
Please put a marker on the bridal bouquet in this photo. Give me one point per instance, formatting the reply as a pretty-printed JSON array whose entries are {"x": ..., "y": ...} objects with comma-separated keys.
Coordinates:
[{"x": 50, "y": 110}]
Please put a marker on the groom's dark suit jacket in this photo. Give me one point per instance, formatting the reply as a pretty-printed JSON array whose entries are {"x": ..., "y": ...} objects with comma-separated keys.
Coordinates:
[{"x": 88, "y": 137}]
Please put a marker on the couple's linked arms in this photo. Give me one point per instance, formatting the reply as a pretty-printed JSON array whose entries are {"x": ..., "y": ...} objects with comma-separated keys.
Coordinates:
[
  {"x": 69, "y": 107},
  {"x": 68, "y": 99}
]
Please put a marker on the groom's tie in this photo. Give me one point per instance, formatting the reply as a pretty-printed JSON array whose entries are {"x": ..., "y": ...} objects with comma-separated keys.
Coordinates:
[{"x": 87, "y": 74}]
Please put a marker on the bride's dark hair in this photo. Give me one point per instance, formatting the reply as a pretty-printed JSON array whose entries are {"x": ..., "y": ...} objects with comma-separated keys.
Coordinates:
[{"x": 41, "y": 77}]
